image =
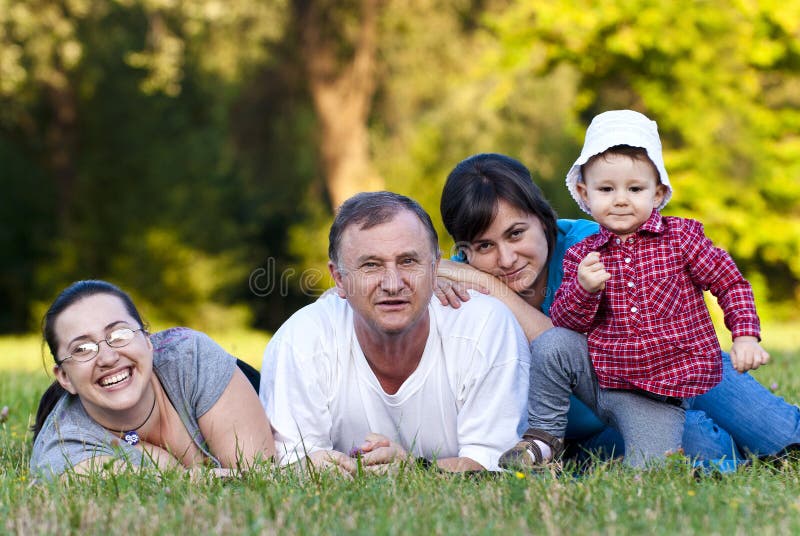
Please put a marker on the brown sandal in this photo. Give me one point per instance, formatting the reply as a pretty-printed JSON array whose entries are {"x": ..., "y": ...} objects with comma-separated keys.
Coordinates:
[{"x": 527, "y": 455}]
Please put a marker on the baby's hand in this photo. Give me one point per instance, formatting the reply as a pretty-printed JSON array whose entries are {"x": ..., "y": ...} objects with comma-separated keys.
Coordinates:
[
  {"x": 592, "y": 275},
  {"x": 747, "y": 354}
]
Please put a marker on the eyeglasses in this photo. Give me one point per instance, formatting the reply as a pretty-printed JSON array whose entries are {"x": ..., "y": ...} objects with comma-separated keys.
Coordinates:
[{"x": 86, "y": 351}]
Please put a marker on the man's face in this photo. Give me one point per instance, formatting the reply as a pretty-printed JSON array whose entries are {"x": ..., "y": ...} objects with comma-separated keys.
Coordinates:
[{"x": 387, "y": 273}]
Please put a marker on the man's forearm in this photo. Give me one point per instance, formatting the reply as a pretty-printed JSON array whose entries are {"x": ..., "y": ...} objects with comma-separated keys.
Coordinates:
[{"x": 459, "y": 465}]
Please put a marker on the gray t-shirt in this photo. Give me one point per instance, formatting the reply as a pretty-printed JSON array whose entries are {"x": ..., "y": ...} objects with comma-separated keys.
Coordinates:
[{"x": 192, "y": 369}]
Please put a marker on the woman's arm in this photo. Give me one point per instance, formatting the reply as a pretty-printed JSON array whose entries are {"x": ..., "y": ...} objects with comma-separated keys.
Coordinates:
[
  {"x": 532, "y": 320},
  {"x": 236, "y": 428},
  {"x": 157, "y": 455}
]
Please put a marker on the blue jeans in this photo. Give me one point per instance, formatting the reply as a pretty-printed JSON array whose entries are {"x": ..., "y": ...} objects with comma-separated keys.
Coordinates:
[
  {"x": 758, "y": 421},
  {"x": 649, "y": 428},
  {"x": 738, "y": 416}
]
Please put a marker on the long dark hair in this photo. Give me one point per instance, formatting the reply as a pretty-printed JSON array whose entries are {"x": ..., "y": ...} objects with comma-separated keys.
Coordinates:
[
  {"x": 474, "y": 187},
  {"x": 70, "y": 295}
]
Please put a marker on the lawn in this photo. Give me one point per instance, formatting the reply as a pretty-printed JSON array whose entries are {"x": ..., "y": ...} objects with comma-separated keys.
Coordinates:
[{"x": 607, "y": 498}]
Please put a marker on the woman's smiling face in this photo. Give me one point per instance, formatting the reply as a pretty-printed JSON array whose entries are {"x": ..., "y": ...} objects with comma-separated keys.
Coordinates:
[
  {"x": 514, "y": 249},
  {"x": 116, "y": 379}
]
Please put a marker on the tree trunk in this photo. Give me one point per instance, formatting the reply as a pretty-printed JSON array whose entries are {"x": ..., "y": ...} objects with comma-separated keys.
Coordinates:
[
  {"x": 61, "y": 137},
  {"x": 342, "y": 79}
]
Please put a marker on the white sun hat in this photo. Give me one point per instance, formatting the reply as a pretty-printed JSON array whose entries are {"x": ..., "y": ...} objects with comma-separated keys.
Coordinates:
[{"x": 619, "y": 127}]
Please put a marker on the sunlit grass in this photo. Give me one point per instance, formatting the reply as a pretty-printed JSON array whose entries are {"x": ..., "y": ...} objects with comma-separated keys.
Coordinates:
[
  {"x": 781, "y": 375},
  {"x": 783, "y": 337},
  {"x": 608, "y": 499},
  {"x": 25, "y": 352},
  {"x": 245, "y": 343}
]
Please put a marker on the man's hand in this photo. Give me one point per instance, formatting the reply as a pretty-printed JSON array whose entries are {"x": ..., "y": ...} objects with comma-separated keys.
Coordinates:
[
  {"x": 592, "y": 275},
  {"x": 332, "y": 460},
  {"x": 747, "y": 354},
  {"x": 379, "y": 454}
]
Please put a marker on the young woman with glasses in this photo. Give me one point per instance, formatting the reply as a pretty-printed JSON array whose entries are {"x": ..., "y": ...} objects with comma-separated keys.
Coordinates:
[{"x": 123, "y": 395}]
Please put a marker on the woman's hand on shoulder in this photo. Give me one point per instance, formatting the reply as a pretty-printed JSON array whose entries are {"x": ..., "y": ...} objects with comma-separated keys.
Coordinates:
[
  {"x": 454, "y": 279},
  {"x": 532, "y": 320}
]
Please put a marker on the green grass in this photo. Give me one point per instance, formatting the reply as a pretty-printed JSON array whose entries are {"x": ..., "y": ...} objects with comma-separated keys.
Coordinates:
[{"x": 608, "y": 499}]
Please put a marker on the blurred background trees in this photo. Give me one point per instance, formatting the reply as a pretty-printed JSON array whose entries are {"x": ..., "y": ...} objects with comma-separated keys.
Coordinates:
[{"x": 193, "y": 150}]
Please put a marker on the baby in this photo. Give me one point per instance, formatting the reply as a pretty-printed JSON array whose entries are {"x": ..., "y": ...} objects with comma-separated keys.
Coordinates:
[{"x": 635, "y": 289}]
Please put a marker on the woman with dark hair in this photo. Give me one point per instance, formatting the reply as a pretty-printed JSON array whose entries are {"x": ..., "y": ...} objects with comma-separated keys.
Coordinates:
[
  {"x": 125, "y": 396},
  {"x": 511, "y": 245}
]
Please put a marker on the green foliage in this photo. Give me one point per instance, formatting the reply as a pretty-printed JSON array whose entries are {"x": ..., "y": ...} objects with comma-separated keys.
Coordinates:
[
  {"x": 430, "y": 118},
  {"x": 26, "y": 225},
  {"x": 123, "y": 176},
  {"x": 190, "y": 277},
  {"x": 718, "y": 77},
  {"x": 173, "y": 147}
]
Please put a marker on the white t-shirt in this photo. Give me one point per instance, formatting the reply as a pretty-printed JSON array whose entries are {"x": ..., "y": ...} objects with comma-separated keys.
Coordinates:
[{"x": 466, "y": 398}]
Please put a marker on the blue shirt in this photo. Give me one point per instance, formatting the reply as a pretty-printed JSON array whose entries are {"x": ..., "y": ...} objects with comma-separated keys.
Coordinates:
[
  {"x": 570, "y": 232},
  {"x": 581, "y": 422}
]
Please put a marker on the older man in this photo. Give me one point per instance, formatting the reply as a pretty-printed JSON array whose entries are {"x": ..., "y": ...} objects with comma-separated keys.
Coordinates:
[{"x": 380, "y": 368}]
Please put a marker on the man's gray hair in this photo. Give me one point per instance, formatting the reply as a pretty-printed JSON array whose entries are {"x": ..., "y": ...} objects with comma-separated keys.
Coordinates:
[{"x": 370, "y": 209}]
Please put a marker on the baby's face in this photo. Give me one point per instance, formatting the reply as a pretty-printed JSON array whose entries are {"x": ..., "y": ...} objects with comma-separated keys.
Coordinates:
[{"x": 621, "y": 192}]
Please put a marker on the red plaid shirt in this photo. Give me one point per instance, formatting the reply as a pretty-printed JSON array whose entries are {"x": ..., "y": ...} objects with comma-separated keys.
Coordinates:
[{"x": 650, "y": 328}]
